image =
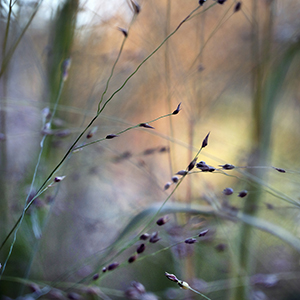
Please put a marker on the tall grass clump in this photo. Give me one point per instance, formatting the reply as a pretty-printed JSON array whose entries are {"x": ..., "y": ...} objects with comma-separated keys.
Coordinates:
[{"x": 149, "y": 150}]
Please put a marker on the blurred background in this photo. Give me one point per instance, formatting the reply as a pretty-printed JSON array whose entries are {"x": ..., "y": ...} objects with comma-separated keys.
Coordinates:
[{"x": 233, "y": 66}]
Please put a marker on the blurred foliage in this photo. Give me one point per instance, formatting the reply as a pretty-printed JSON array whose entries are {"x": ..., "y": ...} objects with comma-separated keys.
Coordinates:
[{"x": 236, "y": 75}]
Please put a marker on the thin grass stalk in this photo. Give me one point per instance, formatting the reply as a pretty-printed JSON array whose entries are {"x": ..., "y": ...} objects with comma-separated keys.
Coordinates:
[{"x": 4, "y": 204}]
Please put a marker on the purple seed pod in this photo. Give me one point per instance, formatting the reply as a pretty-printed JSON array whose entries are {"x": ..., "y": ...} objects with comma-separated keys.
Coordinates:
[
  {"x": 205, "y": 141},
  {"x": 162, "y": 221},
  {"x": 154, "y": 237},
  {"x": 149, "y": 151},
  {"x": 177, "y": 110},
  {"x": 141, "y": 248},
  {"x": 111, "y": 136},
  {"x": 144, "y": 236},
  {"x": 96, "y": 276},
  {"x": 182, "y": 172},
  {"x": 113, "y": 266},
  {"x": 132, "y": 258},
  {"x": 221, "y": 247},
  {"x": 228, "y": 191},
  {"x": 192, "y": 164},
  {"x": 124, "y": 31},
  {"x": 280, "y": 170},
  {"x": 136, "y": 7},
  {"x": 73, "y": 296},
  {"x": 167, "y": 185},
  {"x": 59, "y": 178},
  {"x": 221, "y": 1},
  {"x": 66, "y": 64},
  {"x": 227, "y": 167},
  {"x": 145, "y": 125},
  {"x": 175, "y": 179},
  {"x": 237, "y": 7},
  {"x": 201, "y": 2},
  {"x": 171, "y": 277},
  {"x": 190, "y": 241},
  {"x": 203, "y": 233},
  {"x": 211, "y": 169},
  {"x": 243, "y": 194},
  {"x": 201, "y": 164},
  {"x": 104, "y": 269}
]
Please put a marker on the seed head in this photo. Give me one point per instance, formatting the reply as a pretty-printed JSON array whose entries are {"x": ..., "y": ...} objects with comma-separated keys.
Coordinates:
[
  {"x": 65, "y": 68},
  {"x": 175, "y": 179},
  {"x": 177, "y": 110},
  {"x": 154, "y": 237},
  {"x": 92, "y": 132},
  {"x": 228, "y": 191},
  {"x": 113, "y": 266},
  {"x": 146, "y": 125},
  {"x": 141, "y": 248},
  {"x": 136, "y": 7},
  {"x": 205, "y": 141},
  {"x": 132, "y": 258},
  {"x": 59, "y": 178},
  {"x": 192, "y": 164},
  {"x": 104, "y": 269},
  {"x": 184, "y": 285},
  {"x": 111, "y": 136},
  {"x": 182, "y": 172},
  {"x": 144, "y": 236},
  {"x": 237, "y": 6},
  {"x": 227, "y": 167},
  {"x": 96, "y": 276},
  {"x": 280, "y": 170},
  {"x": 243, "y": 193},
  {"x": 203, "y": 233},
  {"x": 201, "y": 2},
  {"x": 162, "y": 221},
  {"x": 221, "y": 1},
  {"x": 172, "y": 277},
  {"x": 167, "y": 185},
  {"x": 190, "y": 241},
  {"x": 124, "y": 31}
]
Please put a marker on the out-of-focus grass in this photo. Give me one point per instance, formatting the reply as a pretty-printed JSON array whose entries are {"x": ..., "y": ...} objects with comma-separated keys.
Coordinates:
[{"x": 109, "y": 183}]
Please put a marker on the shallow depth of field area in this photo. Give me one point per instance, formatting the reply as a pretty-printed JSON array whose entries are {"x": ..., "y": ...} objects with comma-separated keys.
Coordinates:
[{"x": 149, "y": 149}]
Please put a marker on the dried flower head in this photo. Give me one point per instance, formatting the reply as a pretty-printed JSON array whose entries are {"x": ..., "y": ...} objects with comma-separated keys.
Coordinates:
[
  {"x": 111, "y": 136},
  {"x": 228, "y": 191},
  {"x": 141, "y": 248},
  {"x": 177, "y": 110},
  {"x": 205, "y": 141},
  {"x": 237, "y": 6},
  {"x": 243, "y": 193},
  {"x": 124, "y": 31},
  {"x": 146, "y": 125},
  {"x": 163, "y": 220},
  {"x": 203, "y": 233}
]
